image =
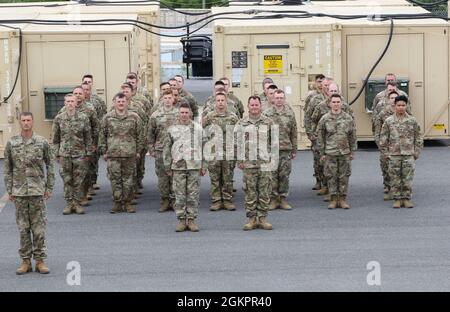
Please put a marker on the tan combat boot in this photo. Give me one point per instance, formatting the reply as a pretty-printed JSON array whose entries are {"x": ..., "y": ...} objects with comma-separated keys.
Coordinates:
[
  {"x": 327, "y": 198},
  {"x": 343, "y": 202},
  {"x": 96, "y": 186},
  {"x": 129, "y": 208},
  {"x": 24, "y": 267},
  {"x": 181, "y": 226},
  {"x": 192, "y": 226},
  {"x": 84, "y": 202},
  {"x": 273, "y": 203},
  {"x": 407, "y": 203},
  {"x": 333, "y": 202},
  {"x": 91, "y": 191},
  {"x": 164, "y": 205},
  {"x": 78, "y": 209},
  {"x": 397, "y": 204},
  {"x": 228, "y": 205},
  {"x": 387, "y": 196},
  {"x": 215, "y": 206},
  {"x": 317, "y": 186},
  {"x": 89, "y": 197},
  {"x": 140, "y": 185},
  {"x": 68, "y": 209},
  {"x": 41, "y": 267},
  {"x": 133, "y": 202},
  {"x": 139, "y": 191},
  {"x": 263, "y": 224},
  {"x": 284, "y": 204},
  {"x": 251, "y": 224},
  {"x": 117, "y": 207},
  {"x": 323, "y": 191},
  {"x": 386, "y": 190}
]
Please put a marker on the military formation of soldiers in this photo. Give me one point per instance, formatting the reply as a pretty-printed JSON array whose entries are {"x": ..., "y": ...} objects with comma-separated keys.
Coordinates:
[{"x": 187, "y": 143}]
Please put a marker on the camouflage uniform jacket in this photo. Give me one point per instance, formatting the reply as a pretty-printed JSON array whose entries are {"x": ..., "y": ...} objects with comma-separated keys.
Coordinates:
[
  {"x": 183, "y": 146},
  {"x": 24, "y": 166},
  {"x": 316, "y": 100},
  {"x": 237, "y": 104},
  {"x": 336, "y": 134},
  {"x": 322, "y": 108},
  {"x": 210, "y": 106},
  {"x": 146, "y": 94},
  {"x": 88, "y": 109},
  {"x": 245, "y": 129},
  {"x": 309, "y": 97},
  {"x": 401, "y": 136},
  {"x": 72, "y": 135},
  {"x": 216, "y": 119},
  {"x": 160, "y": 121},
  {"x": 121, "y": 136},
  {"x": 146, "y": 105},
  {"x": 190, "y": 100},
  {"x": 379, "y": 121},
  {"x": 99, "y": 105},
  {"x": 287, "y": 127},
  {"x": 384, "y": 94}
]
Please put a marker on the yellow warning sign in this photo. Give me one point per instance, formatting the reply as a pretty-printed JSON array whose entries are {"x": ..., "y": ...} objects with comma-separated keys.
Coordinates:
[
  {"x": 439, "y": 127},
  {"x": 273, "y": 64}
]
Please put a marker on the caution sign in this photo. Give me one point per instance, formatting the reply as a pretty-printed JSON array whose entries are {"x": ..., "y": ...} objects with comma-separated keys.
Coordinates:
[
  {"x": 439, "y": 127},
  {"x": 273, "y": 64}
]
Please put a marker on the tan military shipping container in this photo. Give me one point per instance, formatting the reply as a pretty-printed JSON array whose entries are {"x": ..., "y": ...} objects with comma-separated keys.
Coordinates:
[
  {"x": 292, "y": 51},
  {"x": 9, "y": 110},
  {"x": 54, "y": 58},
  {"x": 148, "y": 44}
]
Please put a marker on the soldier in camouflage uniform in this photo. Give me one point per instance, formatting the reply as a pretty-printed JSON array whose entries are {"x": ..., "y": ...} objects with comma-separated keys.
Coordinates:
[
  {"x": 121, "y": 139},
  {"x": 265, "y": 84},
  {"x": 184, "y": 162},
  {"x": 101, "y": 110},
  {"x": 210, "y": 104},
  {"x": 186, "y": 95},
  {"x": 336, "y": 137},
  {"x": 88, "y": 109},
  {"x": 160, "y": 121},
  {"x": 72, "y": 144},
  {"x": 266, "y": 104},
  {"x": 233, "y": 98},
  {"x": 163, "y": 87},
  {"x": 317, "y": 89},
  {"x": 26, "y": 155},
  {"x": 379, "y": 121},
  {"x": 401, "y": 142},
  {"x": 320, "y": 110},
  {"x": 216, "y": 125},
  {"x": 254, "y": 129},
  {"x": 137, "y": 107},
  {"x": 307, "y": 121},
  {"x": 285, "y": 119},
  {"x": 133, "y": 79}
]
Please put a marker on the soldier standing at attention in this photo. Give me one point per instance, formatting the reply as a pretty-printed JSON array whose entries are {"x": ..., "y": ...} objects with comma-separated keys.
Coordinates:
[
  {"x": 287, "y": 125},
  {"x": 121, "y": 139},
  {"x": 401, "y": 143},
  {"x": 101, "y": 110},
  {"x": 215, "y": 125},
  {"x": 72, "y": 144},
  {"x": 233, "y": 98},
  {"x": 184, "y": 162},
  {"x": 28, "y": 185},
  {"x": 316, "y": 91},
  {"x": 336, "y": 137},
  {"x": 379, "y": 121},
  {"x": 254, "y": 129},
  {"x": 160, "y": 121},
  {"x": 186, "y": 95},
  {"x": 265, "y": 84}
]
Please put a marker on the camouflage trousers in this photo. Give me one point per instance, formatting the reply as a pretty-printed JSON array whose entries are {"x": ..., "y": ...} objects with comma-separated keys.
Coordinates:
[
  {"x": 90, "y": 169},
  {"x": 31, "y": 217},
  {"x": 164, "y": 181},
  {"x": 337, "y": 171},
  {"x": 220, "y": 172},
  {"x": 257, "y": 187},
  {"x": 73, "y": 172},
  {"x": 318, "y": 165},
  {"x": 94, "y": 167},
  {"x": 280, "y": 177},
  {"x": 401, "y": 173},
  {"x": 140, "y": 166},
  {"x": 121, "y": 174},
  {"x": 186, "y": 186},
  {"x": 384, "y": 165}
]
